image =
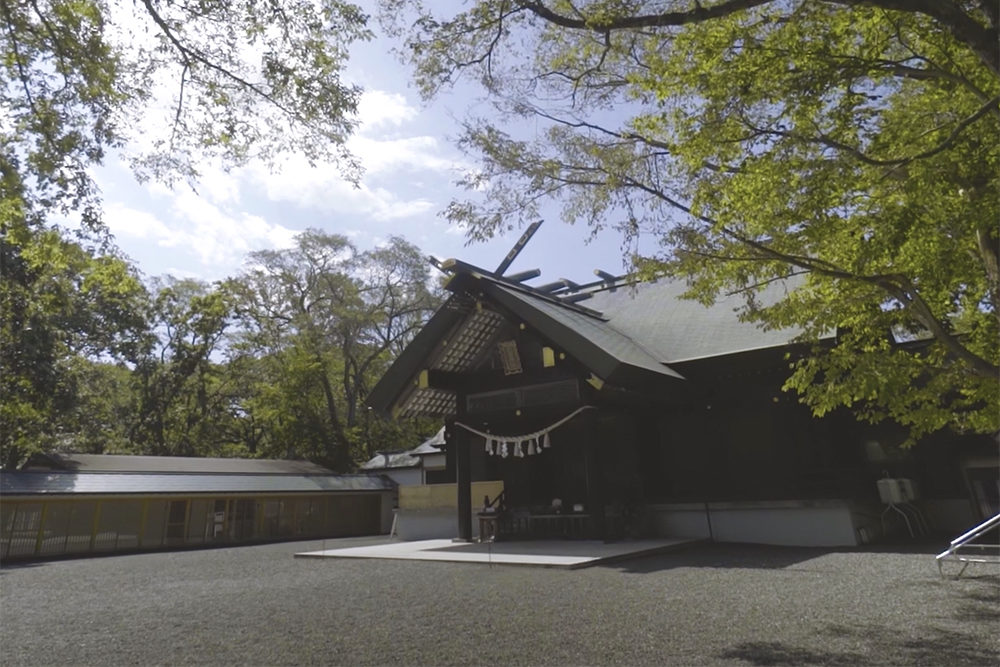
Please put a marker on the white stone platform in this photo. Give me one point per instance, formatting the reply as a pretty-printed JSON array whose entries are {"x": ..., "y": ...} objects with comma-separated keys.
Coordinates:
[{"x": 570, "y": 554}]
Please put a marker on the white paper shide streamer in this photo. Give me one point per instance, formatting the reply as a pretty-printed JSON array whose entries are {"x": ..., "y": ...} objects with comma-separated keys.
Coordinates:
[{"x": 520, "y": 446}]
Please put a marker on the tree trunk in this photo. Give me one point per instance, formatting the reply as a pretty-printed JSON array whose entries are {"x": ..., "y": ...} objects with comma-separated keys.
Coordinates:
[{"x": 340, "y": 458}]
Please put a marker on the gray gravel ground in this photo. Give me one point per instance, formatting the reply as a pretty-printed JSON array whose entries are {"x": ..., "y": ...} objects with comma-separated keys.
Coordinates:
[{"x": 709, "y": 605}]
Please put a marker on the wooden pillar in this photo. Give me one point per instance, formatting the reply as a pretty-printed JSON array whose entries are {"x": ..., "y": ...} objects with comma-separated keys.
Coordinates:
[
  {"x": 463, "y": 472},
  {"x": 95, "y": 524},
  {"x": 595, "y": 473},
  {"x": 41, "y": 529}
]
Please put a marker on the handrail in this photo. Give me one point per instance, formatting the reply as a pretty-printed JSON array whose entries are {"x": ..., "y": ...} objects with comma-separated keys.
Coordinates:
[
  {"x": 962, "y": 541},
  {"x": 977, "y": 531}
]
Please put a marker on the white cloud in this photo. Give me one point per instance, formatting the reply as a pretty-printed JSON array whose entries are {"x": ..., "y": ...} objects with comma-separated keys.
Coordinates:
[
  {"x": 323, "y": 188},
  {"x": 124, "y": 221},
  {"x": 219, "y": 186},
  {"x": 378, "y": 108},
  {"x": 421, "y": 152},
  {"x": 200, "y": 229},
  {"x": 177, "y": 272},
  {"x": 220, "y": 238}
]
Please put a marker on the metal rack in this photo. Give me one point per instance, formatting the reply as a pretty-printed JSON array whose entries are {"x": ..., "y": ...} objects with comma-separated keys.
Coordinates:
[{"x": 980, "y": 551}]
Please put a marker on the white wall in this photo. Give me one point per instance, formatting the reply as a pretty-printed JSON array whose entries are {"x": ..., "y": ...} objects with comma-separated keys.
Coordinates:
[
  {"x": 403, "y": 476},
  {"x": 429, "y": 524},
  {"x": 827, "y": 523}
]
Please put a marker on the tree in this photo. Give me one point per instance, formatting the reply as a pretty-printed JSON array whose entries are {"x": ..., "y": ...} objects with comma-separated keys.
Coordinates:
[
  {"x": 322, "y": 321},
  {"x": 99, "y": 420},
  {"x": 854, "y": 147},
  {"x": 167, "y": 84},
  {"x": 60, "y": 304},
  {"x": 246, "y": 79},
  {"x": 392, "y": 302},
  {"x": 182, "y": 406}
]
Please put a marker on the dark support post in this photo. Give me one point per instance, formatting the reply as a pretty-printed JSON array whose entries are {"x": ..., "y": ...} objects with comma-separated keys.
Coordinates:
[
  {"x": 463, "y": 474},
  {"x": 595, "y": 476}
]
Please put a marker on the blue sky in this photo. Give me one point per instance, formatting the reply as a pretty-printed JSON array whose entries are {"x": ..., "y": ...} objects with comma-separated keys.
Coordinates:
[{"x": 410, "y": 166}]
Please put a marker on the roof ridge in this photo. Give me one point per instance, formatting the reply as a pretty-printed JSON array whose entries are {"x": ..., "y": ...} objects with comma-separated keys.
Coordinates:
[{"x": 457, "y": 267}]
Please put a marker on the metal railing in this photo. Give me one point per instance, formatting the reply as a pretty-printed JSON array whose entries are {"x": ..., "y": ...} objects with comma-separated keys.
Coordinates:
[{"x": 984, "y": 553}]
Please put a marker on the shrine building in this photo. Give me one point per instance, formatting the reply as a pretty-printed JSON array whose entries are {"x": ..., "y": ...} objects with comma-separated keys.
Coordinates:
[{"x": 617, "y": 409}]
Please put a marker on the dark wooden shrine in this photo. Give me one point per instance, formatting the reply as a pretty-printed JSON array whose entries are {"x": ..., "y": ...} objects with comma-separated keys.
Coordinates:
[{"x": 672, "y": 402}]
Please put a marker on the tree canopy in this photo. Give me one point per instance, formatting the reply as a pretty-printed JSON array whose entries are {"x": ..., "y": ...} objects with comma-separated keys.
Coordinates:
[
  {"x": 166, "y": 84},
  {"x": 853, "y": 147},
  {"x": 275, "y": 362},
  {"x": 60, "y": 305},
  {"x": 319, "y": 323}
]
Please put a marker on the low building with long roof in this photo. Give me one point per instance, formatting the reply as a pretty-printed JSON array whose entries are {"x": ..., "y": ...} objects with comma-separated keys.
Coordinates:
[{"x": 79, "y": 504}]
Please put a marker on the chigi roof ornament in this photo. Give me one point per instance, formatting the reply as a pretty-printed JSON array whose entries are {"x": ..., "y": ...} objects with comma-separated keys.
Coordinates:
[{"x": 563, "y": 291}]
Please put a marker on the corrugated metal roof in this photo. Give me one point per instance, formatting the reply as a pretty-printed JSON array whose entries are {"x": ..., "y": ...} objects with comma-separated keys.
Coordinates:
[
  {"x": 175, "y": 464},
  {"x": 431, "y": 445},
  {"x": 52, "y": 483},
  {"x": 391, "y": 460},
  {"x": 409, "y": 458}
]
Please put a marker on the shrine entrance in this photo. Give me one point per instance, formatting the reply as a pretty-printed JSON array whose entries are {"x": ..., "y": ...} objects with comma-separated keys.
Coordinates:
[
  {"x": 534, "y": 389},
  {"x": 548, "y": 491}
]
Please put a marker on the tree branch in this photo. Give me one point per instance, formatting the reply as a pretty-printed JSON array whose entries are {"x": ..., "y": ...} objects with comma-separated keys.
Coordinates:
[
  {"x": 829, "y": 142},
  {"x": 189, "y": 55},
  {"x": 964, "y": 28},
  {"x": 180, "y": 102},
  {"x": 662, "y": 20},
  {"x": 897, "y": 286},
  {"x": 982, "y": 40}
]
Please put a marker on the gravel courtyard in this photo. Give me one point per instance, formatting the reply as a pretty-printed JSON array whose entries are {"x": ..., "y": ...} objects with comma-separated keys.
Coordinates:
[{"x": 709, "y": 605}]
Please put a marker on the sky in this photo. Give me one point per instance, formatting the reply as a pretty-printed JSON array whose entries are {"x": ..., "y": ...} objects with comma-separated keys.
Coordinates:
[{"x": 411, "y": 166}]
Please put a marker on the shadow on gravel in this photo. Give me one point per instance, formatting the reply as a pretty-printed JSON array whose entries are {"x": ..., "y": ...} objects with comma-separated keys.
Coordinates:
[
  {"x": 757, "y": 556},
  {"x": 981, "y": 606},
  {"x": 776, "y": 653},
  {"x": 884, "y": 646},
  {"x": 20, "y": 565},
  {"x": 728, "y": 556}
]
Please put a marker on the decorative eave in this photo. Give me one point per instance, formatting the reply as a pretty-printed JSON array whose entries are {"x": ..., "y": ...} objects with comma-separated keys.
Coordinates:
[{"x": 471, "y": 321}]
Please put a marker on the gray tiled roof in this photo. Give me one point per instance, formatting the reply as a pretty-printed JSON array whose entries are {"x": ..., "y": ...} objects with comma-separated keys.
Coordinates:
[
  {"x": 175, "y": 464},
  {"x": 50, "y": 483},
  {"x": 674, "y": 329},
  {"x": 409, "y": 458}
]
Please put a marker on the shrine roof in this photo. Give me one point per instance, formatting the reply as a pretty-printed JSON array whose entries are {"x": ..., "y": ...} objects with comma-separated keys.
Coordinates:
[
  {"x": 675, "y": 330},
  {"x": 625, "y": 333},
  {"x": 124, "y": 463}
]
